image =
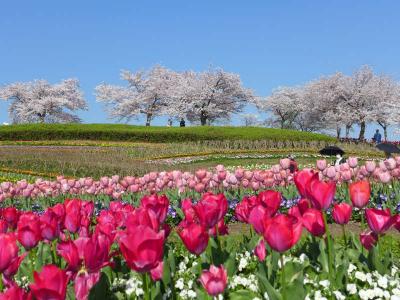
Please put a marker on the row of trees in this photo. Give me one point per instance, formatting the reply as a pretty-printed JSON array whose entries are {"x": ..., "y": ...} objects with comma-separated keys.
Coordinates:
[
  {"x": 200, "y": 97},
  {"x": 336, "y": 102}
]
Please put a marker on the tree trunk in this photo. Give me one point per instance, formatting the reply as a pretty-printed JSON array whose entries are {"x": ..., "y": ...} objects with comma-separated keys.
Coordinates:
[
  {"x": 203, "y": 118},
  {"x": 348, "y": 127},
  {"x": 338, "y": 131},
  {"x": 148, "y": 119},
  {"x": 385, "y": 132},
  {"x": 361, "y": 137}
]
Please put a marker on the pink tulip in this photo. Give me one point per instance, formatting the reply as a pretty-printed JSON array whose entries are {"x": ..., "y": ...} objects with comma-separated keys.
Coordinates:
[
  {"x": 260, "y": 251},
  {"x": 321, "y": 164},
  {"x": 370, "y": 166},
  {"x": 214, "y": 280},
  {"x": 352, "y": 161}
]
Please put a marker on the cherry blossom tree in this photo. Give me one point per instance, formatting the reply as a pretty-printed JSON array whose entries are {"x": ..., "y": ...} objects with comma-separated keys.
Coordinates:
[
  {"x": 284, "y": 105},
  {"x": 387, "y": 106},
  {"x": 213, "y": 95},
  {"x": 39, "y": 101},
  {"x": 148, "y": 93}
]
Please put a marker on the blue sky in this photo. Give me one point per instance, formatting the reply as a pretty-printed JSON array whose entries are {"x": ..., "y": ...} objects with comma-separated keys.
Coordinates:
[{"x": 269, "y": 43}]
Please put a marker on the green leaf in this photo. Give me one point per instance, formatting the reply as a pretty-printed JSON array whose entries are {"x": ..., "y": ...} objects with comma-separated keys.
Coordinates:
[
  {"x": 294, "y": 290},
  {"x": 101, "y": 290},
  {"x": 265, "y": 286},
  {"x": 230, "y": 264},
  {"x": 180, "y": 212},
  {"x": 243, "y": 295},
  {"x": 323, "y": 257}
]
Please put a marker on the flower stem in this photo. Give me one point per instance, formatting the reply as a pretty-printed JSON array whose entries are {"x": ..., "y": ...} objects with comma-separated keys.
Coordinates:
[
  {"x": 344, "y": 236},
  {"x": 328, "y": 246},
  {"x": 145, "y": 287},
  {"x": 283, "y": 281}
]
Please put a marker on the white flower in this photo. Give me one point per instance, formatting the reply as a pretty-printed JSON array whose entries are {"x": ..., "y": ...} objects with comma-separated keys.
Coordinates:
[
  {"x": 383, "y": 282},
  {"x": 192, "y": 294},
  {"x": 303, "y": 257},
  {"x": 395, "y": 297},
  {"x": 339, "y": 295},
  {"x": 360, "y": 276},
  {"x": 351, "y": 288},
  {"x": 351, "y": 268},
  {"x": 182, "y": 267},
  {"x": 190, "y": 284},
  {"x": 367, "y": 294},
  {"x": 266, "y": 297},
  {"x": 242, "y": 264},
  {"x": 318, "y": 296},
  {"x": 324, "y": 283},
  {"x": 368, "y": 277},
  {"x": 179, "y": 284},
  {"x": 396, "y": 292}
]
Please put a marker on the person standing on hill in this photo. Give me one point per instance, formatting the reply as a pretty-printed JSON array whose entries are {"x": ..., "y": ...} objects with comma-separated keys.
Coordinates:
[
  {"x": 293, "y": 164},
  {"x": 377, "y": 137},
  {"x": 182, "y": 123}
]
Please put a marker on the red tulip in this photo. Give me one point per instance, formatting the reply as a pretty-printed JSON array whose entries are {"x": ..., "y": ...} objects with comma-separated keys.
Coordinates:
[
  {"x": 14, "y": 293},
  {"x": 360, "y": 192},
  {"x": 260, "y": 251},
  {"x": 97, "y": 252},
  {"x": 49, "y": 226},
  {"x": 142, "y": 216},
  {"x": 257, "y": 216},
  {"x": 396, "y": 222},
  {"x": 69, "y": 251},
  {"x": 210, "y": 209},
  {"x": 92, "y": 252},
  {"x": 188, "y": 210},
  {"x": 194, "y": 237},
  {"x": 14, "y": 266},
  {"x": 11, "y": 215},
  {"x": 379, "y": 220},
  {"x": 341, "y": 213},
  {"x": 214, "y": 280},
  {"x": 72, "y": 221},
  {"x": 28, "y": 230},
  {"x": 368, "y": 239},
  {"x": 222, "y": 229},
  {"x": 242, "y": 210},
  {"x": 8, "y": 250},
  {"x": 282, "y": 232},
  {"x": 157, "y": 273},
  {"x": 313, "y": 221},
  {"x": 59, "y": 210},
  {"x": 271, "y": 200},
  {"x": 50, "y": 283},
  {"x": 320, "y": 193},
  {"x": 142, "y": 248},
  {"x": 3, "y": 226},
  {"x": 301, "y": 180},
  {"x": 303, "y": 205},
  {"x": 159, "y": 204}
]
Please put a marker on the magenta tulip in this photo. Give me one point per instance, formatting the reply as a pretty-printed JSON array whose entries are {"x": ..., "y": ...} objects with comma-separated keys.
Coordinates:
[
  {"x": 341, "y": 213},
  {"x": 214, "y": 280}
]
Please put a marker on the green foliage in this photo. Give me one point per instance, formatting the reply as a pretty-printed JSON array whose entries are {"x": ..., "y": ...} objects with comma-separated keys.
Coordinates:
[{"x": 120, "y": 132}]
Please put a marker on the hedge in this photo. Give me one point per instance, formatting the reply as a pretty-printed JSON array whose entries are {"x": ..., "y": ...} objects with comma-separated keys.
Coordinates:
[{"x": 121, "y": 132}]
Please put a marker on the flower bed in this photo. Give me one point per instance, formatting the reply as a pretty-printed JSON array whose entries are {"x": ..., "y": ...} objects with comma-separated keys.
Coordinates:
[{"x": 76, "y": 249}]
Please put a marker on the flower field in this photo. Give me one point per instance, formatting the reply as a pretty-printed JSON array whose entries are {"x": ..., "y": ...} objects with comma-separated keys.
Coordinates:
[{"x": 319, "y": 233}]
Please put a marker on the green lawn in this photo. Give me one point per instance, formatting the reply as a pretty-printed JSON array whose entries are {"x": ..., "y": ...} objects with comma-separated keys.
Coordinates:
[{"x": 121, "y": 132}]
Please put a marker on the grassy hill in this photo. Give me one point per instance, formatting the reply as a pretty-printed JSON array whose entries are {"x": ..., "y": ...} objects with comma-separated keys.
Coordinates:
[{"x": 121, "y": 132}]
